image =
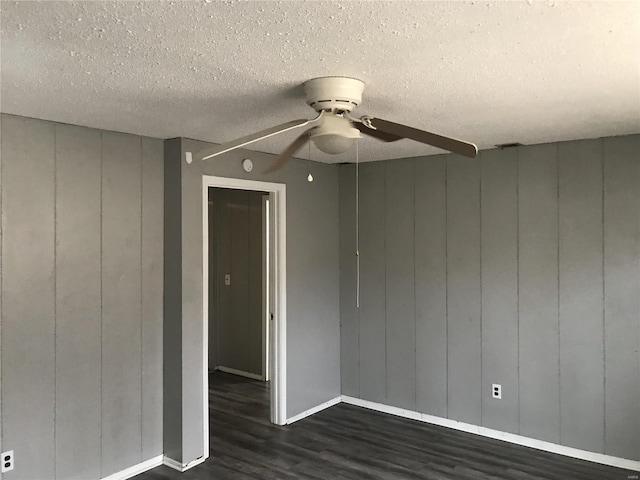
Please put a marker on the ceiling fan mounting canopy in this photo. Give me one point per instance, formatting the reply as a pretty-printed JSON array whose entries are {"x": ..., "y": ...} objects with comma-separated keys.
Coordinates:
[
  {"x": 335, "y": 94},
  {"x": 334, "y": 130}
]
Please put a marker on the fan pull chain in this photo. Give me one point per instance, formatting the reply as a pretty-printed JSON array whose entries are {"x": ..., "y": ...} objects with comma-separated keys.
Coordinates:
[
  {"x": 357, "y": 226},
  {"x": 310, "y": 177}
]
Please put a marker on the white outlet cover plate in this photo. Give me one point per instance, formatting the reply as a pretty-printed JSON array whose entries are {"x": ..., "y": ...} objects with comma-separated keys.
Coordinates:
[
  {"x": 496, "y": 391},
  {"x": 6, "y": 454}
]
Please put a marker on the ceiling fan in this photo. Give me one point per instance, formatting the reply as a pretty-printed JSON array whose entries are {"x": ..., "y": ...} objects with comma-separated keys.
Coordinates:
[{"x": 334, "y": 130}]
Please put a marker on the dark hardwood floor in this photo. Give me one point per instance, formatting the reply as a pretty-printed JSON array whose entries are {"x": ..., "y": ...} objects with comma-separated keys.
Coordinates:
[{"x": 347, "y": 442}]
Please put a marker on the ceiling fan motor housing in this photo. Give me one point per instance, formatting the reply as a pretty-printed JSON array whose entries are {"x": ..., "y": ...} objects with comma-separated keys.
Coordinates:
[{"x": 336, "y": 94}]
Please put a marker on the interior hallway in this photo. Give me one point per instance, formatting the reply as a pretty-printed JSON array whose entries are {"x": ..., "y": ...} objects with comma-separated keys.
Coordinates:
[{"x": 352, "y": 443}]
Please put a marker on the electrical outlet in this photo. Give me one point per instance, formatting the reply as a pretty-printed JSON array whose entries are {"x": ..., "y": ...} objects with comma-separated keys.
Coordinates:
[
  {"x": 7, "y": 461},
  {"x": 496, "y": 391}
]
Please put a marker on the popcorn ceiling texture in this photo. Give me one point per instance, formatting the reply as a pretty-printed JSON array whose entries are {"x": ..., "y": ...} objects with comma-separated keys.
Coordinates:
[{"x": 488, "y": 72}]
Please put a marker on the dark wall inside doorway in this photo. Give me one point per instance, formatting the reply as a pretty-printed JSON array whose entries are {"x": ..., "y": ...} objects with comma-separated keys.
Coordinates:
[{"x": 235, "y": 249}]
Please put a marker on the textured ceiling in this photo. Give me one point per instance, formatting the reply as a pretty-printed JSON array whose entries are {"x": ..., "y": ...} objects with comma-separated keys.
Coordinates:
[{"x": 490, "y": 72}]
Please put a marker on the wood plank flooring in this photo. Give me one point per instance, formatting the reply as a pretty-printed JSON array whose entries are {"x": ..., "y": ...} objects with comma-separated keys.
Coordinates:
[{"x": 346, "y": 442}]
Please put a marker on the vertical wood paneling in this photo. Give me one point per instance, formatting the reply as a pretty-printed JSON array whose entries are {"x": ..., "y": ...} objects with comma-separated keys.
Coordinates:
[
  {"x": 538, "y": 292},
  {"x": 214, "y": 292},
  {"x": 223, "y": 234},
  {"x": 121, "y": 302},
  {"x": 236, "y": 248},
  {"x": 372, "y": 283},
  {"x": 507, "y": 268},
  {"x": 312, "y": 288},
  {"x": 28, "y": 294},
  {"x": 499, "y": 251},
  {"x": 192, "y": 302},
  {"x": 1, "y": 244},
  {"x": 254, "y": 331},
  {"x": 51, "y": 292},
  {"x": 152, "y": 292},
  {"x": 581, "y": 295},
  {"x": 400, "y": 284},
  {"x": 78, "y": 297},
  {"x": 463, "y": 289},
  {"x": 238, "y": 351},
  {"x": 622, "y": 295},
  {"x": 349, "y": 348},
  {"x": 172, "y": 301},
  {"x": 431, "y": 285}
]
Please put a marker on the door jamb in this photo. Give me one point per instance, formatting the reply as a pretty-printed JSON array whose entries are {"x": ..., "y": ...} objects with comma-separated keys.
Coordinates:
[{"x": 277, "y": 197}]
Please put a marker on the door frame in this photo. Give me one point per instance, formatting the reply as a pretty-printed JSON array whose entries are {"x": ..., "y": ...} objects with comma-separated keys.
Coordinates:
[
  {"x": 278, "y": 333},
  {"x": 267, "y": 280}
]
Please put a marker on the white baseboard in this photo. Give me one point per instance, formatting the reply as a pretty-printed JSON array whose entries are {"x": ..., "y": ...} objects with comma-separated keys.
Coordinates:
[
  {"x": 136, "y": 469},
  {"x": 182, "y": 467},
  {"x": 313, "y": 410},
  {"x": 497, "y": 434},
  {"x": 253, "y": 376}
]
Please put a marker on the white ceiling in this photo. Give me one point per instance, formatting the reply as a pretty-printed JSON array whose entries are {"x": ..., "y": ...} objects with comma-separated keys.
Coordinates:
[{"x": 490, "y": 72}]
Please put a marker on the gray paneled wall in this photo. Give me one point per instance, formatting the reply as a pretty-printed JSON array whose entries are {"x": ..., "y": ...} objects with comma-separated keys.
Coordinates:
[
  {"x": 520, "y": 268},
  {"x": 78, "y": 300},
  {"x": 313, "y": 314},
  {"x": 431, "y": 286},
  {"x": 621, "y": 299},
  {"x": 82, "y": 299},
  {"x": 28, "y": 294},
  {"x": 538, "y": 293},
  {"x": 373, "y": 368},
  {"x": 499, "y": 273},
  {"x": 235, "y": 311},
  {"x": 399, "y": 285},
  {"x": 1, "y": 243},
  {"x": 349, "y": 334},
  {"x": 581, "y": 283},
  {"x": 464, "y": 306}
]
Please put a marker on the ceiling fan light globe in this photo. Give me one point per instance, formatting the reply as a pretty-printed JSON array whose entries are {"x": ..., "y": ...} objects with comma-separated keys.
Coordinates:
[
  {"x": 334, "y": 135},
  {"x": 333, "y": 144}
]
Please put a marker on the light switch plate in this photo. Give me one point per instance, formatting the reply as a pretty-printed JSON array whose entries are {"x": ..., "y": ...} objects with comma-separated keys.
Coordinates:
[{"x": 227, "y": 279}]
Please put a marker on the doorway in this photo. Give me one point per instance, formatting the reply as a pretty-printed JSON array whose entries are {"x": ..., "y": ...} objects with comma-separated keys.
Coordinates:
[
  {"x": 266, "y": 360},
  {"x": 238, "y": 281}
]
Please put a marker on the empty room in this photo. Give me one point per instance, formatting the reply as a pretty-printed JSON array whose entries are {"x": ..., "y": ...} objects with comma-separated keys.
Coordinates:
[{"x": 320, "y": 240}]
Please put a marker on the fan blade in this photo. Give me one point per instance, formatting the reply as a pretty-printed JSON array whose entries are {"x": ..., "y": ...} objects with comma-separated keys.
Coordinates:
[
  {"x": 289, "y": 152},
  {"x": 254, "y": 137},
  {"x": 445, "y": 143},
  {"x": 379, "y": 134}
]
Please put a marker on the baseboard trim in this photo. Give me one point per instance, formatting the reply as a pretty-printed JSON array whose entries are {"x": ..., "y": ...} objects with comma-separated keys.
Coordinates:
[
  {"x": 497, "y": 434},
  {"x": 182, "y": 467},
  {"x": 242, "y": 373},
  {"x": 136, "y": 469},
  {"x": 313, "y": 410}
]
